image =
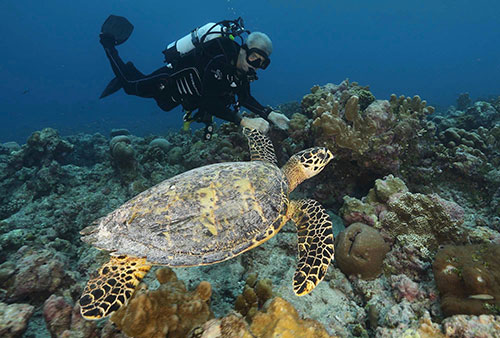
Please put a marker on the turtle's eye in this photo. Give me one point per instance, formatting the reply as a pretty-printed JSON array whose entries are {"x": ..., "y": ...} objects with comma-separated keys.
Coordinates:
[{"x": 313, "y": 160}]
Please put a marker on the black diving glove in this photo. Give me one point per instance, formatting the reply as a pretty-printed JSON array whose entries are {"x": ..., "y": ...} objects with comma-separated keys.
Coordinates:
[{"x": 107, "y": 40}]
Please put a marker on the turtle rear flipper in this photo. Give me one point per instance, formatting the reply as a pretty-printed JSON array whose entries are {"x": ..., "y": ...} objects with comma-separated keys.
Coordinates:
[
  {"x": 112, "y": 287},
  {"x": 315, "y": 244},
  {"x": 261, "y": 147}
]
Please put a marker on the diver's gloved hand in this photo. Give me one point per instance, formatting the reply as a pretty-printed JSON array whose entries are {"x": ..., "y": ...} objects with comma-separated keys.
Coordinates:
[
  {"x": 279, "y": 120},
  {"x": 107, "y": 40},
  {"x": 255, "y": 123}
]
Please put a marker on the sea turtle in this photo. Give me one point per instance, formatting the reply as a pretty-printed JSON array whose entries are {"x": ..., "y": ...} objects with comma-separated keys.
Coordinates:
[{"x": 208, "y": 215}]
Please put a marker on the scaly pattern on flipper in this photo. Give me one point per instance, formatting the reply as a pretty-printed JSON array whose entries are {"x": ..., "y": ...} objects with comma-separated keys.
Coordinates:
[
  {"x": 112, "y": 287},
  {"x": 261, "y": 147},
  {"x": 315, "y": 244}
]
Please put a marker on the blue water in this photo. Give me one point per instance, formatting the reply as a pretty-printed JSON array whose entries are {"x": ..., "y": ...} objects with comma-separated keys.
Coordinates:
[{"x": 52, "y": 67}]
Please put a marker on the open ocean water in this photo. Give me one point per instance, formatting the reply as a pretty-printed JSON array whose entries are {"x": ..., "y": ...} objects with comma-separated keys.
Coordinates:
[{"x": 405, "y": 95}]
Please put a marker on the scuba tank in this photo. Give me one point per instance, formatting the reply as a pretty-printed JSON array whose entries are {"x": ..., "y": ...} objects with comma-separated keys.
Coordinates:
[{"x": 226, "y": 28}]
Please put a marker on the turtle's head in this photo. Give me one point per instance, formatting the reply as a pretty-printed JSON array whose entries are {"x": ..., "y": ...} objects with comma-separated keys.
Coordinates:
[{"x": 306, "y": 164}]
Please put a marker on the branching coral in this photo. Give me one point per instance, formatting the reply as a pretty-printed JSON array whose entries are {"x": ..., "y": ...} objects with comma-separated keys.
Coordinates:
[
  {"x": 254, "y": 295},
  {"x": 279, "y": 319},
  {"x": 373, "y": 133}
]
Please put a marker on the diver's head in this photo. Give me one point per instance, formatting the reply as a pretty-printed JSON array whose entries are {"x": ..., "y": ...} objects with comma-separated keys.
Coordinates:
[{"x": 255, "y": 52}]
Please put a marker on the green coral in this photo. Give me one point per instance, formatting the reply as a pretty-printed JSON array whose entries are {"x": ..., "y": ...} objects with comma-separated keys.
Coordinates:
[
  {"x": 406, "y": 107},
  {"x": 364, "y": 94}
]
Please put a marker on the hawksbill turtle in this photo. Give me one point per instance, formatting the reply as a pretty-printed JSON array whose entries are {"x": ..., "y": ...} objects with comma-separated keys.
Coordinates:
[{"x": 208, "y": 215}]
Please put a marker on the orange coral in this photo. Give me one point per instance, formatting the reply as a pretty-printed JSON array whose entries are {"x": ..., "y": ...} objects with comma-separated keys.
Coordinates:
[
  {"x": 253, "y": 297},
  {"x": 282, "y": 320},
  {"x": 231, "y": 326},
  {"x": 169, "y": 311}
]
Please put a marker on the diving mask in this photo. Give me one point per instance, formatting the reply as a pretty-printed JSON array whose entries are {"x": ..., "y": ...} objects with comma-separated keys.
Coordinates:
[{"x": 254, "y": 60}]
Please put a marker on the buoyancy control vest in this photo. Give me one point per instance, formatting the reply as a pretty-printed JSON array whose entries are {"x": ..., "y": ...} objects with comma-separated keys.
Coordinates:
[{"x": 231, "y": 29}]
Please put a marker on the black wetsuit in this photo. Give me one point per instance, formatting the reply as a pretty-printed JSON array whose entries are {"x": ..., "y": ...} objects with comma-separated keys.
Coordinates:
[{"x": 205, "y": 79}]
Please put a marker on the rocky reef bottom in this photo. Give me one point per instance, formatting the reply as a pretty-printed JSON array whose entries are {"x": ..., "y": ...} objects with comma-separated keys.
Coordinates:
[{"x": 413, "y": 194}]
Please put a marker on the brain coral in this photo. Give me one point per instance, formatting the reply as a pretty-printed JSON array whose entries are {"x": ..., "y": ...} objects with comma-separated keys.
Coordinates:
[
  {"x": 360, "y": 251},
  {"x": 468, "y": 278},
  {"x": 170, "y": 311}
]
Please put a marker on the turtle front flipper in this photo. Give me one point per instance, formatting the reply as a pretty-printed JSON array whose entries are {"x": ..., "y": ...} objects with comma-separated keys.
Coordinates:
[
  {"x": 315, "y": 244},
  {"x": 112, "y": 287},
  {"x": 261, "y": 147}
]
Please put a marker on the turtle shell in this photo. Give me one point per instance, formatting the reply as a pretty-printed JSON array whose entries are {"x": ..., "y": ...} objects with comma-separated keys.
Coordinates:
[{"x": 203, "y": 216}]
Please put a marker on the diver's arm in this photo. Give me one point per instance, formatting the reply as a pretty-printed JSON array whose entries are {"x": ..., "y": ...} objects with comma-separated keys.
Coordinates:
[
  {"x": 217, "y": 107},
  {"x": 228, "y": 115},
  {"x": 248, "y": 101},
  {"x": 277, "y": 118}
]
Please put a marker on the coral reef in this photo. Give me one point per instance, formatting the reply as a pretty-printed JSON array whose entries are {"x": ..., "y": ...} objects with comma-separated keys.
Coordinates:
[
  {"x": 360, "y": 249},
  {"x": 254, "y": 295},
  {"x": 229, "y": 326},
  {"x": 123, "y": 155},
  {"x": 278, "y": 319},
  {"x": 57, "y": 315},
  {"x": 42, "y": 148},
  {"x": 457, "y": 326},
  {"x": 282, "y": 320},
  {"x": 64, "y": 320},
  {"x": 412, "y": 219},
  {"x": 472, "y": 326},
  {"x": 35, "y": 276},
  {"x": 169, "y": 311},
  {"x": 463, "y": 101},
  {"x": 447, "y": 191},
  {"x": 14, "y": 319},
  {"x": 468, "y": 279},
  {"x": 33, "y": 171},
  {"x": 161, "y": 143},
  {"x": 374, "y": 133}
]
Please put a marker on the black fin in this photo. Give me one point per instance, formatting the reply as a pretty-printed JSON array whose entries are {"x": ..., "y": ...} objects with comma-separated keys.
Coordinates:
[
  {"x": 119, "y": 27},
  {"x": 112, "y": 87}
]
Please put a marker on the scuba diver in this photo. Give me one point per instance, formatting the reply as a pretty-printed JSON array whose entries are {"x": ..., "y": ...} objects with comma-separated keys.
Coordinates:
[{"x": 207, "y": 71}]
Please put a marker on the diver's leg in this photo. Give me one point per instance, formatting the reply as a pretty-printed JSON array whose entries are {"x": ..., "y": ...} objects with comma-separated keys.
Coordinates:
[
  {"x": 124, "y": 73},
  {"x": 131, "y": 79}
]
